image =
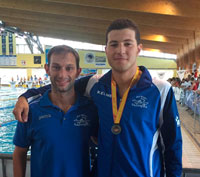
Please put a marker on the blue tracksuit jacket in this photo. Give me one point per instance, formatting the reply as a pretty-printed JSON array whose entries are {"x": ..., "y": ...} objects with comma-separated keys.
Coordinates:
[{"x": 150, "y": 144}]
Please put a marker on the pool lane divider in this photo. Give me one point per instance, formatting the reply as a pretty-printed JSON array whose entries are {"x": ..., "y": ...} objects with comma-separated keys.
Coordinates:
[
  {"x": 8, "y": 99},
  {"x": 7, "y": 107},
  {"x": 8, "y": 123}
]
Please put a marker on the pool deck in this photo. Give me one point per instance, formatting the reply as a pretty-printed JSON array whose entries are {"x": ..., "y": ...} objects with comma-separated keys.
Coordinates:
[{"x": 191, "y": 138}]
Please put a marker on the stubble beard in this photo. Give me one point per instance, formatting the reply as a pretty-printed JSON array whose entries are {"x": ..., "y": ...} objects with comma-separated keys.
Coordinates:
[{"x": 66, "y": 89}]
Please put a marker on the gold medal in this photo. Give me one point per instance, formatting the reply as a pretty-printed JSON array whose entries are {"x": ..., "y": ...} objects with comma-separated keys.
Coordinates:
[
  {"x": 117, "y": 113},
  {"x": 116, "y": 129}
]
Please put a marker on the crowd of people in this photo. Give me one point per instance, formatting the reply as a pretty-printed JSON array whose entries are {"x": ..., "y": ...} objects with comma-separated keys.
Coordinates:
[
  {"x": 29, "y": 82},
  {"x": 187, "y": 91},
  {"x": 190, "y": 82}
]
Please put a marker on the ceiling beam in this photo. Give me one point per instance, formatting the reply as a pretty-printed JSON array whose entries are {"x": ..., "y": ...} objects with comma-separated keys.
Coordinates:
[
  {"x": 167, "y": 31},
  {"x": 59, "y": 26},
  {"x": 71, "y": 35},
  {"x": 63, "y": 34},
  {"x": 103, "y": 13},
  {"x": 161, "y": 38},
  {"x": 167, "y": 7},
  {"x": 163, "y": 50},
  {"x": 8, "y": 14},
  {"x": 161, "y": 44}
]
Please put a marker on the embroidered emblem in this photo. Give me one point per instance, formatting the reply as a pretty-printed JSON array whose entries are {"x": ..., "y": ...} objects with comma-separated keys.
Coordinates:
[
  {"x": 140, "y": 101},
  {"x": 81, "y": 120},
  {"x": 103, "y": 94}
]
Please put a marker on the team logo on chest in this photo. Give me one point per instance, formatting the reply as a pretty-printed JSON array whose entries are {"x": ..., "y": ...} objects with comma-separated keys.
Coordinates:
[
  {"x": 140, "y": 101},
  {"x": 81, "y": 120}
]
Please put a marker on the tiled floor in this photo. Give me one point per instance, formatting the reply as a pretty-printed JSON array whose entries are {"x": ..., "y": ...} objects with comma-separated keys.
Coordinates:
[
  {"x": 191, "y": 139},
  {"x": 191, "y": 152}
]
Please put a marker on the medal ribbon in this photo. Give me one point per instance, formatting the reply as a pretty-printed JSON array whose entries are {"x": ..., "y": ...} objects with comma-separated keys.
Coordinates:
[{"x": 117, "y": 114}]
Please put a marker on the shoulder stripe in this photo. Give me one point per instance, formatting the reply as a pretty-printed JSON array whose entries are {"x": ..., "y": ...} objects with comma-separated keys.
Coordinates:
[
  {"x": 163, "y": 87},
  {"x": 31, "y": 99},
  {"x": 153, "y": 149},
  {"x": 92, "y": 81}
]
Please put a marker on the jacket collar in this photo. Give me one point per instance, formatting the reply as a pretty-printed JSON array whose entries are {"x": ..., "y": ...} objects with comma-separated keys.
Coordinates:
[{"x": 145, "y": 79}]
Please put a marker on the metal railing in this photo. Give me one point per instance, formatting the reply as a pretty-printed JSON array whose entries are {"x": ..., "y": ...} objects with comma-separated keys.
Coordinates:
[
  {"x": 191, "y": 100},
  {"x": 6, "y": 168},
  {"x": 188, "y": 171}
]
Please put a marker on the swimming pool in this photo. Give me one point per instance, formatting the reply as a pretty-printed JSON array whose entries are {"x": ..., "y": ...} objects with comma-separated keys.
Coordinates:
[{"x": 8, "y": 98}]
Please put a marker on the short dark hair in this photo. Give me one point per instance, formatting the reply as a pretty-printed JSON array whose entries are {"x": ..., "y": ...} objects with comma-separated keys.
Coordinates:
[
  {"x": 59, "y": 49},
  {"x": 122, "y": 24}
]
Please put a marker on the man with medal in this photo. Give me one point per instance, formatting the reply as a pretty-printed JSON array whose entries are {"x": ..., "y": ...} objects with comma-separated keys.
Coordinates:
[{"x": 139, "y": 128}]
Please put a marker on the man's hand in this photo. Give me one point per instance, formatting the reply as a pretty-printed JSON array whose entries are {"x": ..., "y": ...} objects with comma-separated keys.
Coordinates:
[
  {"x": 94, "y": 140},
  {"x": 21, "y": 110}
]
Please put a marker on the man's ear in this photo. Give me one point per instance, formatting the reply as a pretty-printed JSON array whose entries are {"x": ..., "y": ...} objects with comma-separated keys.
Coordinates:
[
  {"x": 46, "y": 67},
  {"x": 139, "y": 49},
  {"x": 78, "y": 72},
  {"x": 106, "y": 49}
]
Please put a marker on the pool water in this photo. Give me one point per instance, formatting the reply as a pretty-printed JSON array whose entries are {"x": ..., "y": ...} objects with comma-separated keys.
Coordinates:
[
  {"x": 6, "y": 137},
  {"x": 8, "y": 98}
]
